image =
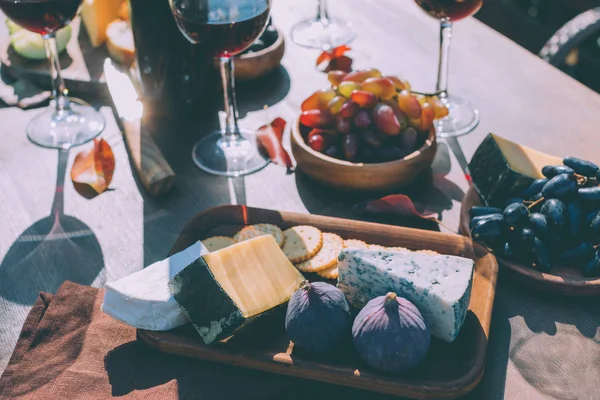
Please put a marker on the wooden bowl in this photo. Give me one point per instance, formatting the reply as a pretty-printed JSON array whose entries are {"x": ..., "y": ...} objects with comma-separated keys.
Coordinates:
[
  {"x": 563, "y": 279},
  {"x": 254, "y": 65},
  {"x": 351, "y": 176}
]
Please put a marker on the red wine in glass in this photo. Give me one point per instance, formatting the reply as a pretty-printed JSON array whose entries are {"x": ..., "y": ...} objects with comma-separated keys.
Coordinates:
[
  {"x": 41, "y": 16},
  {"x": 453, "y": 10},
  {"x": 222, "y": 36}
]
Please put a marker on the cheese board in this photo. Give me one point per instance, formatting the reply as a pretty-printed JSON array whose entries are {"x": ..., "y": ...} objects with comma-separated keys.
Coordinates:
[
  {"x": 449, "y": 370},
  {"x": 562, "y": 279}
]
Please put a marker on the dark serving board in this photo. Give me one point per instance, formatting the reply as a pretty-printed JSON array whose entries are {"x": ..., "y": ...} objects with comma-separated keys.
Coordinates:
[
  {"x": 82, "y": 65},
  {"x": 563, "y": 279},
  {"x": 450, "y": 370}
]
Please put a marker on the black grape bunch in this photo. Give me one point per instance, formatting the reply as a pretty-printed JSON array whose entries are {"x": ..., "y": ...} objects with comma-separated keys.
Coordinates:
[{"x": 555, "y": 221}]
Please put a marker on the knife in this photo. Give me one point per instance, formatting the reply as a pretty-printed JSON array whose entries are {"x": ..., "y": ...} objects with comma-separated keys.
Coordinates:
[{"x": 152, "y": 168}]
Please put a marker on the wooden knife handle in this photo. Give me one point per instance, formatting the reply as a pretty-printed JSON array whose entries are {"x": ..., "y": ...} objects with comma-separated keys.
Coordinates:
[{"x": 154, "y": 171}]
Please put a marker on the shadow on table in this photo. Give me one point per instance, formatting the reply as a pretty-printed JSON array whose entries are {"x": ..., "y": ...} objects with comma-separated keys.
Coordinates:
[
  {"x": 52, "y": 250},
  {"x": 265, "y": 91},
  {"x": 432, "y": 190}
]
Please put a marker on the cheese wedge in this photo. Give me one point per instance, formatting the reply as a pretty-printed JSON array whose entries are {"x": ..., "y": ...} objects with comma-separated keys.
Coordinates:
[
  {"x": 439, "y": 285},
  {"x": 222, "y": 291},
  {"x": 96, "y": 15},
  {"x": 143, "y": 299},
  {"x": 501, "y": 169}
]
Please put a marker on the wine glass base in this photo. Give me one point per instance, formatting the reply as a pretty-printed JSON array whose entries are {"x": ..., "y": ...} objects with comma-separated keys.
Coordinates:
[
  {"x": 217, "y": 155},
  {"x": 318, "y": 35},
  {"x": 463, "y": 118},
  {"x": 73, "y": 127}
]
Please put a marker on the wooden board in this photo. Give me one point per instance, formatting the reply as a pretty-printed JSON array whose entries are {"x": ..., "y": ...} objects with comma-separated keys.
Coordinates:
[
  {"x": 81, "y": 65},
  {"x": 449, "y": 370},
  {"x": 563, "y": 279}
]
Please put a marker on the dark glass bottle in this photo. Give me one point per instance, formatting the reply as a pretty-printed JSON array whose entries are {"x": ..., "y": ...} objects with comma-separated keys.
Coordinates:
[{"x": 175, "y": 75}]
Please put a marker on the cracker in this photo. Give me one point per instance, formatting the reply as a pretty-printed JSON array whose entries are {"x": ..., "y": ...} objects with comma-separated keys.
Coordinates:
[
  {"x": 400, "y": 249},
  {"x": 329, "y": 273},
  {"x": 301, "y": 242},
  {"x": 327, "y": 257},
  {"x": 252, "y": 231},
  {"x": 430, "y": 252},
  {"x": 218, "y": 242},
  {"x": 355, "y": 244},
  {"x": 376, "y": 247}
]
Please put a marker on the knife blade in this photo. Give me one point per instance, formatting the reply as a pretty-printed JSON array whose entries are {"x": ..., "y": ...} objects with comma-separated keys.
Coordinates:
[{"x": 156, "y": 174}]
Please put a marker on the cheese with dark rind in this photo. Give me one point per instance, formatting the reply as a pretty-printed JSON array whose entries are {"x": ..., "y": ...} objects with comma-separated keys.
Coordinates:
[
  {"x": 501, "y": 169},
  {"x": 225, "y": 290}
]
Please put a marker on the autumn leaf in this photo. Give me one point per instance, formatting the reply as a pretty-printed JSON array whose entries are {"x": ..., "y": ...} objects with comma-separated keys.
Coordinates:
[
  {"x": 335, "y": 59},
  {"x": 270, "y": 139},
  {"x": 93, "y": 169},
  {"x": 400, "y": 204}
]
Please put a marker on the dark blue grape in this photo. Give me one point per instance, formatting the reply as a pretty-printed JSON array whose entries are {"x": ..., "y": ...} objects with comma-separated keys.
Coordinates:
[
  {"x": 489, "y": 228},
  {"x": 556, "y": 213},
  {"x": 589, "y": 217},
  {"x": 513, "y": 200},
  {"x": 479, "y": 211},
  {"x": 332, "y": 151},
  {"x": 560, "y": 187},
  {"x": 582, "y": 167},
  {"x": 525, "y": 237},
  {"x": 475, "y": 220},
  {"x": 507, "y": 251},
  {"x": 574, "y": 212},
  {"x": 539, "y": 225},
  {"x": 579, "y": 254},
  {"x": 595, "y": 224},
  {"x": 592, "y": 268},
  {"x": 551, "y": 171},
  {"x": 541, "y": 255},
  {"x": 589, "y": 194},
  {"x": 534, "y": 188},
  {"x": 515, "y": 215}
]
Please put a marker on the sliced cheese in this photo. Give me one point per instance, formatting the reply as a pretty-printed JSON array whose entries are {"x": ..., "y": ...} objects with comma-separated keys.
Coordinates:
[
  {"x": 119, "y": 42},
  {"x": 96, "y": 15},
  {"x": 439, "y": 285},
  {"x": 501, "y": 169},
  {"x": 224, "y": 290},
  {"x": 143, "y": 299}
]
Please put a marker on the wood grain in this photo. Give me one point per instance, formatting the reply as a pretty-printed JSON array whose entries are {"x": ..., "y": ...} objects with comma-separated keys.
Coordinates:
[
  {"x": 361, "y": 176},
  {"x": 449, "y": 370},
  {"x": 565, "y": 279}
]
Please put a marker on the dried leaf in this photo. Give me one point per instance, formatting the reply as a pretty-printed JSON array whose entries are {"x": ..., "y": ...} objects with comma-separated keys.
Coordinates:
[
  {"x": 399, "y": 204},
  {"x": 270, "y": 138},
  {"x": 93, "y": 169},
  {"x": 335, "y": 59}
]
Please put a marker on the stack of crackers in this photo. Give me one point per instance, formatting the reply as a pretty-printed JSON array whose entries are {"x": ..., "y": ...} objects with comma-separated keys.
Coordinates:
[{"x": 309, "y": 249}]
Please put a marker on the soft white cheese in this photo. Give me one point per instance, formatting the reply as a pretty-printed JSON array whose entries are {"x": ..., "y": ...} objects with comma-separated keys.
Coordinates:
[
  {"x": 143, "y": 299},
  {"x": 439, "y": 285}
]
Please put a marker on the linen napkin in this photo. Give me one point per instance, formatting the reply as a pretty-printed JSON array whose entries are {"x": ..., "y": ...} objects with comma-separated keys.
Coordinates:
[{"x": 70, "y": 349}]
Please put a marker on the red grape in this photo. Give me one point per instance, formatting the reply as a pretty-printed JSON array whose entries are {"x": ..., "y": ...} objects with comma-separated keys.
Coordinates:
[
  {"x": 336, "y": 104},
  {"x": 380, "y": 87},
  {"x": 362, "y": 119},
  {"x": 370, "y": 138},
  {"x": 317, "y": 141},
  {"x": 332, "y": 151},
  {"x": 335, "y": 77},
  {"x": 318, "y": 100},
  {"x": 364, "y": 99},
  {"x": 408, "y": 139},
  {"x": 385, "y": 120},
  {"x": 439, "y": 108},
  {"x": 346, "y": 88},
  {"x": 350, "y": 146},
  {"x": 427, "y": 117},
  {"x": 409, "y": 104},
  {"x": 349, "y": 109},
  {"x": 343, "y": 125},
  {"x": 316, "y": 119},
  {"x": 362, "y": 75},
  {"x": 399, "y": 83}
]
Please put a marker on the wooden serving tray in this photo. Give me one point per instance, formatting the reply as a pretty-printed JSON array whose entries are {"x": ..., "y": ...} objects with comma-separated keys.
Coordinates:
[
  {"x": 563, "y": 279},
  {"x": 449, "y": 370}
]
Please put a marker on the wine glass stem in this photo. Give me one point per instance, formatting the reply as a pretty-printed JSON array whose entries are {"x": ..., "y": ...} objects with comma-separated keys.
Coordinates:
[
  {"x": 444, "y": 61},
  {"x": 322, "y": 15},
  {"x": 232, "y": 132},
  {"x": 59, "y": 90}
]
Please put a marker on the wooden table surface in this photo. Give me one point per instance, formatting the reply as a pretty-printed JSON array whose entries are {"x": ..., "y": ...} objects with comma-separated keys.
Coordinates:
[{"x": 541, "y": 346}]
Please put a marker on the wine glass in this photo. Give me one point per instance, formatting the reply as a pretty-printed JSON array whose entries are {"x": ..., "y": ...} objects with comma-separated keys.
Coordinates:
[
  {"x": 225, "y": 28},
  {"x": 323, "y": 32},
  {"x": 463, "y": 117},
  {"x": 70, "y": 122}
]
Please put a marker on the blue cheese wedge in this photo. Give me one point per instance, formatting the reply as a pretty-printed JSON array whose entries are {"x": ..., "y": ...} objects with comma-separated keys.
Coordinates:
[
  {"x": 143, "y": 299},
  {"x": 223, "y": 291},
  {"x": 439, "y": 285}
]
